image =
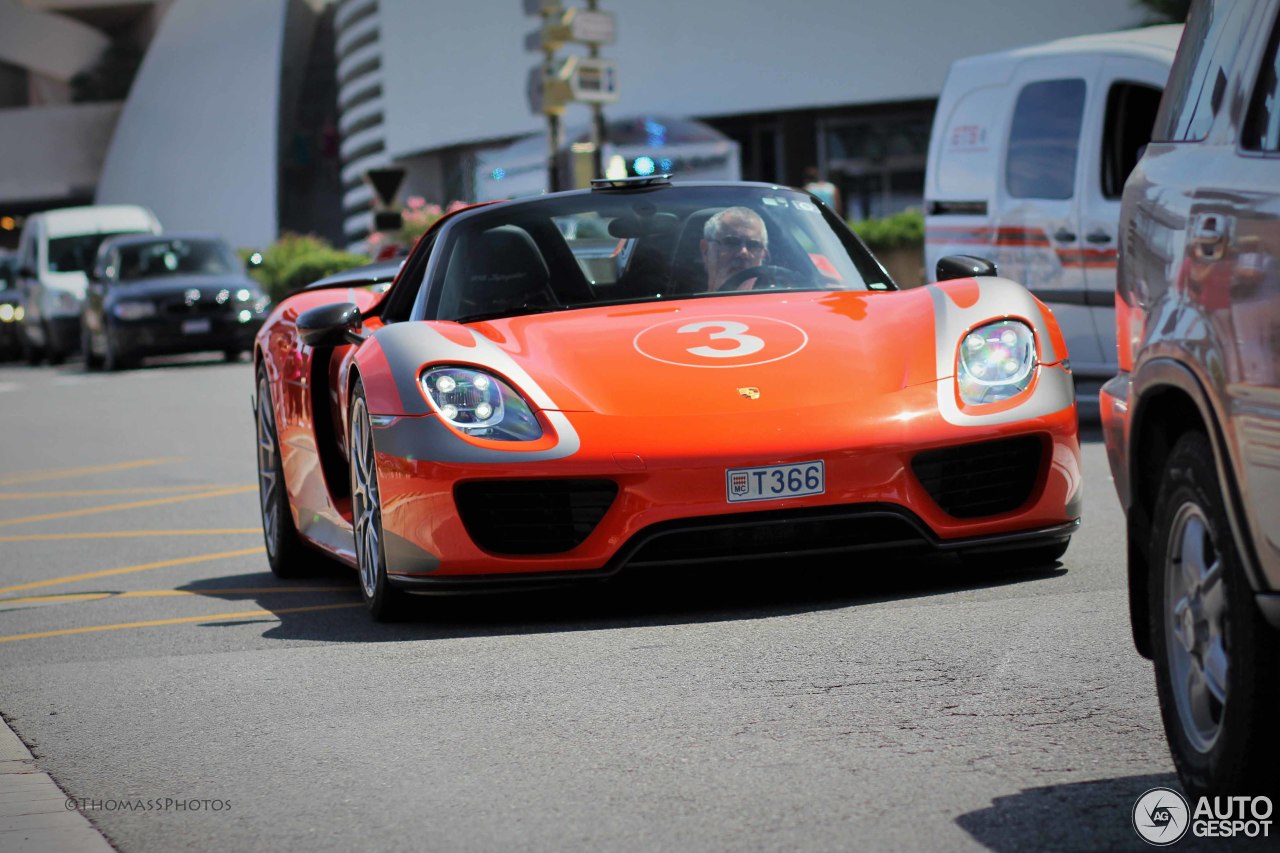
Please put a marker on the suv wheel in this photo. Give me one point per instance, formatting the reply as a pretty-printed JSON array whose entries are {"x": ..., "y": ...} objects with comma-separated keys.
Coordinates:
[{"x": 1215, "y": 655}]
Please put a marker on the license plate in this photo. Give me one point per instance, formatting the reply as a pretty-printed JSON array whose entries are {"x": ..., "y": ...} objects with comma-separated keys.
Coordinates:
[
  {"x": 775, "y": 481},
  {"x": 196, "y": 327}
]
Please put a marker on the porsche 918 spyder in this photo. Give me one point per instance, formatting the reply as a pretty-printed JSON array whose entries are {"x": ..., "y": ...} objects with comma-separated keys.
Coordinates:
[{"x": 649, "y": 373}]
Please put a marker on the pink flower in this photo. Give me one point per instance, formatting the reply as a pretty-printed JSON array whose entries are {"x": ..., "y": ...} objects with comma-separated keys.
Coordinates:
[
  {"x": 415, "y": 202},
  {"x": 455, "y": 205}
]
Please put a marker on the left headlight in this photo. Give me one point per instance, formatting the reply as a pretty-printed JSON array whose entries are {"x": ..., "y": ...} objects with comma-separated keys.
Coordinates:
[
  {"x": 8, "y": 313},
  {"x": 480, "y": 404},
  {"x": 996, "y": 361}
]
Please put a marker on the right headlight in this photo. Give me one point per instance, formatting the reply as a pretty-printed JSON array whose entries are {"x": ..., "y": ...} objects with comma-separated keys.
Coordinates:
[
  {"x": 135, "y": 310},
  {"x": 480, "y": 404},
  {"x": 996, "y": 361}
]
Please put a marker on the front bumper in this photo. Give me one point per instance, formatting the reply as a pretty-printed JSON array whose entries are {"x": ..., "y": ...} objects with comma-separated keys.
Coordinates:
[
  {"x": 664, "y": 496},
  {"x": 169, "y": 336}
]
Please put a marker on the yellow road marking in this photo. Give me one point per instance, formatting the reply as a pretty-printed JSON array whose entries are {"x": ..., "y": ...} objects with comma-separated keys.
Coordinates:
[
  {"x": 59, "y": 473},
  {"x": 91, "y": 493},
  {"x": 217, "y": 617},
  {"x": 169, "y": 593},
  {"x": 28, "y": 519},
  {"x": 142, "y": 567},
  {"x": 128, "y": 534}
]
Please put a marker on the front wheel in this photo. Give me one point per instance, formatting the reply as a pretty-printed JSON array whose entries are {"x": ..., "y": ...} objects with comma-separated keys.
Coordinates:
[
  {"x": 385, "y": 602},
  {"x": 286, "y": 554},
  {"x": 92, "y": 361},
  {"x": 1216, "y": 658}
]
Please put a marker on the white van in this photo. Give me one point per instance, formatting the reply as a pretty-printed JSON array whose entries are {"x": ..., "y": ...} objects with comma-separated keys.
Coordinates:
[
  {"x": 1027, "y": 161},
  {"x": 55, "y": 252}
]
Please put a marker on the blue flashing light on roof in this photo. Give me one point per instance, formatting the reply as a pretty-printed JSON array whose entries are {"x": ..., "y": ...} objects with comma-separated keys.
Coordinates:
[
  {"x": 656, "y": 131},
  {"x": 499, "y": 173},
  {"x": 643, "y": 166},
  {"x": 665, "y": 164}
]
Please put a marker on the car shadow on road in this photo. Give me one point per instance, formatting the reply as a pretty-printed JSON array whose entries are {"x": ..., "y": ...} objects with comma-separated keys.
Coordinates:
[
  {"x": 1095, "y": 815},
  {"x": 670, "y": 596}
]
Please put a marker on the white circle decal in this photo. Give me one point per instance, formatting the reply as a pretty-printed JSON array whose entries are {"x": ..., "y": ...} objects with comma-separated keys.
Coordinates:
[{"x": 734, "y": 340}]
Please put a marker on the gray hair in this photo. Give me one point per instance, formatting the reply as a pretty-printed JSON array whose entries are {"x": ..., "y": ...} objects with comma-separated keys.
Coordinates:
[{"x": 711, "y": 230}]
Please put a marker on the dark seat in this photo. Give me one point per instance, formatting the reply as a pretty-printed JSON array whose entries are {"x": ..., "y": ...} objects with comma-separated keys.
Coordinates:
[
  {"x": 688, "y": 272},
  {"x": 497, "y": 270}
]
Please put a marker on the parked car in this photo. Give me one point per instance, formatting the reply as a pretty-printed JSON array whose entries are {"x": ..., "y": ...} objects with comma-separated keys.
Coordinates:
[
  {"x": 56, "y": 250},
  {"x": 1027, "y": 159},
  {"x": 514, "y": 412},
  {"x": 10, "y": 307},
  {"x": 1192, "y": 421},
  {"x": 166, "y": 294}
]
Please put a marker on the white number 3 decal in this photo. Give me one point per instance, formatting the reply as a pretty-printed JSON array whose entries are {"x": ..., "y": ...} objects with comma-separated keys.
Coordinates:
[{"x": 729, "y": 330}]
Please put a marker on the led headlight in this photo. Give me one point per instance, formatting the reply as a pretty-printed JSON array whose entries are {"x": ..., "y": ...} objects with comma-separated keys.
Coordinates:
[
  {"x": 996, "y": 361},
  {"x": 134, "y": 310},
  {"x": 7, "y": 313},
  {"x": 480, "y": 404}
]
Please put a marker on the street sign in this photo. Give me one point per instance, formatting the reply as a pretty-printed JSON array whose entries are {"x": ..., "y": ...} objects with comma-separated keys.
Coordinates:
[
  {"x": 541, "y": 7},
  {"x": 579, "y": 26},
  {"x": 385, "y": 183},
  {"x": 591, "y": 81},
  {"x": 554, "y": 84}
]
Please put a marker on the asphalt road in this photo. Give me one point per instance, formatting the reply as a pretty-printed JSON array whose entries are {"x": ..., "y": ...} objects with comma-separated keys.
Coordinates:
[{"x": 146, "y": 652}]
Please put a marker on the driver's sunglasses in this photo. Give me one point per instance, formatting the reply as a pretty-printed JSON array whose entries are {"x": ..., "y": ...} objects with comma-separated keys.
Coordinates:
[{"x": 733, "y": 244}]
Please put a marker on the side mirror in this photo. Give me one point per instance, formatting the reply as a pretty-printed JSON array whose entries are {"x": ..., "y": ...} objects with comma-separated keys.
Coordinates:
[
  {"x": 330, "y": 325},
  {"x": 964, "y": 266}
]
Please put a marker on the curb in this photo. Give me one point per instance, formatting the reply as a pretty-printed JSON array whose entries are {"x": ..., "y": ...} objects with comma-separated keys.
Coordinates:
[{"x": 33, "y": 813}]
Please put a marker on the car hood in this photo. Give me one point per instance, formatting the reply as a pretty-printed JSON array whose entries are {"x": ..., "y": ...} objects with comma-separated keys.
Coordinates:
[
  {"x": 781, "y": 351},
  {"x": 158, "y": 288},
  {"x": 72, "y": 281}
]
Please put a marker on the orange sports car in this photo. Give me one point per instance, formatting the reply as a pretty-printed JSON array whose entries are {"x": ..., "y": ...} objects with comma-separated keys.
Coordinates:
[{"x": 649, "y": 373}]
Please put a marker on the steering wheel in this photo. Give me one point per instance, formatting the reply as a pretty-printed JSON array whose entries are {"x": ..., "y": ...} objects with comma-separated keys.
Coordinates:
[{"x": 772, "y": 276}]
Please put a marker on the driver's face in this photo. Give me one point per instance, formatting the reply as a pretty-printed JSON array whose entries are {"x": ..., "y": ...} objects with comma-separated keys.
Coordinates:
[{"x": 741, "y": 245}]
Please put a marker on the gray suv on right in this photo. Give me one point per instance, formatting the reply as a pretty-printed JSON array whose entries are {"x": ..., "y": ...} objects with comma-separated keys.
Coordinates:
[{"x": 1192, "y": 421}]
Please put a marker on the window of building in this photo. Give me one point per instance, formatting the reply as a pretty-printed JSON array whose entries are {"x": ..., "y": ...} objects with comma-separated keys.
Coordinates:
[
  {"x": 1044, "y": 140},
  {"x": 877, "y": 161}
]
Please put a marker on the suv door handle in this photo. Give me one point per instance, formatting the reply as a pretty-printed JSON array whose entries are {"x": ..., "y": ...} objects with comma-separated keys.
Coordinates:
[
  {"x": 1098, "y": 236},
  {"x": 1062, "y": 235}
]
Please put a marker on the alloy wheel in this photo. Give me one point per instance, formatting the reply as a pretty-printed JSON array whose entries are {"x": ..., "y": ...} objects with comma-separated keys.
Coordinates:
[{"x": 1195, "y": 625}]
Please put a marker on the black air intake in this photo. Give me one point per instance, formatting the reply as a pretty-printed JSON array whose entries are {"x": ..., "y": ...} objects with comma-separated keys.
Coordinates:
[
  {"x": 532, "y": 516},
  {"x": 987, "y": 478}
]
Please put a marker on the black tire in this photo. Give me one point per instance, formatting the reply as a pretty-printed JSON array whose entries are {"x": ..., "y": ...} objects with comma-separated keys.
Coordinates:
[
  {"x": 385, "y": 602},
  {"x": 53, "y": 350},
  {"x": 92, "y": 361},
  {"x": 115, "y": 359},
  {"x": 286, "y": 554},
  {"x": 31, "y": 353},
  {"x": 1221, "y": 744},
  {"x": 232, "y": 355}
]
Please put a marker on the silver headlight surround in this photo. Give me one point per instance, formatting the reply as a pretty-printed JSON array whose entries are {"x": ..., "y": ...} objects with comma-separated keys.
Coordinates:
[
  {"x": 996, "y": 361},
  {"x": 479, "y": 403}
]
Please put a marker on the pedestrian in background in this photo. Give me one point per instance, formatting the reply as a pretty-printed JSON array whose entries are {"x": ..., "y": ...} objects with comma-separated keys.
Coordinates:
[{"x": 818, "y": 185}]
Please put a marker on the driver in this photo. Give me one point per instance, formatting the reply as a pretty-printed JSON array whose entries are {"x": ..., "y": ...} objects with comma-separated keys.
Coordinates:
[{"x": 733, "y": 240}]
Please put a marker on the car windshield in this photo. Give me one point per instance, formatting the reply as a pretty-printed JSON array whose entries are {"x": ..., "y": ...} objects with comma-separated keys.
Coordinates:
[
  {"x": 670, "y": 242},
  {"x": 76, "y": 254},
  {"x": 172, "y": 257}
]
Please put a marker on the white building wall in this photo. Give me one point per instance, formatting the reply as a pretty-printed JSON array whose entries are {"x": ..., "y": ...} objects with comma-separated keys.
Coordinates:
[
  {"x": 197, "y": 141},
  {"x": 54, "y": 152},
  {"x": 455, "y": 72}
]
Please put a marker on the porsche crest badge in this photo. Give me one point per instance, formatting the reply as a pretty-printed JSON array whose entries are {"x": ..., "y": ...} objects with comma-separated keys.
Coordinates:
[{"x": 750, "y": 393}]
